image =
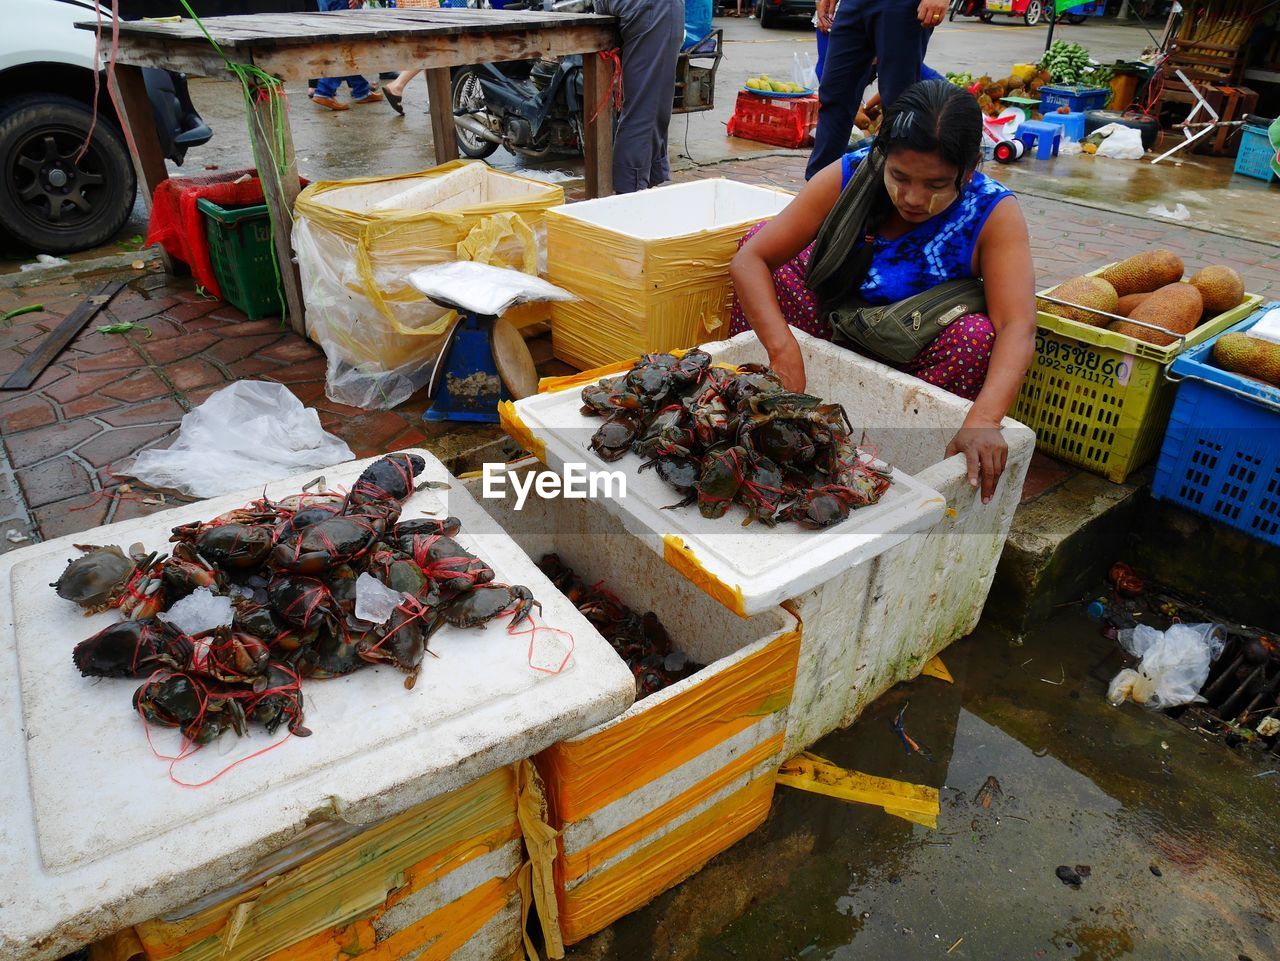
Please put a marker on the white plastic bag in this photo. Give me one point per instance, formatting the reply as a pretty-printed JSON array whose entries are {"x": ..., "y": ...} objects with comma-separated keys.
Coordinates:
[
  {"x": 483, "y": 289},
  {"x": 804, "y": 70},
  {"x": 1174, "y": 664},
  {"x": 1121, "y": 143},
  {"x": 246, "y": 434}
]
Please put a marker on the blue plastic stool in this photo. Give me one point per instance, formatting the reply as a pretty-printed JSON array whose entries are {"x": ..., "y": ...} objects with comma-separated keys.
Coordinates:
[
  {"x": 1044, "y": 137},
  {"x": 1072, "y": 124}
]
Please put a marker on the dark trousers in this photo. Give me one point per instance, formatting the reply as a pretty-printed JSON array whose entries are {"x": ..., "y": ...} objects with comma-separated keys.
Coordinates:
[
  {"x": 864, "y": 30},
  {"x": 652, "y": 31}
]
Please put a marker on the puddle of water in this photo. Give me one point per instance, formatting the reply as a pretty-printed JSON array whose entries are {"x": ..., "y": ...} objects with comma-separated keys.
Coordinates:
[{"x": 1081, "y": 783}]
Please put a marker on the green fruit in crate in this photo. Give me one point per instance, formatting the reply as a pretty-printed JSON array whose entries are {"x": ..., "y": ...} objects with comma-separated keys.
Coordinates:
[
  {"x": 1221, "y": 288},
  {"x": 1087, "y": 294},
  {"x": 1242, "y": 354}
]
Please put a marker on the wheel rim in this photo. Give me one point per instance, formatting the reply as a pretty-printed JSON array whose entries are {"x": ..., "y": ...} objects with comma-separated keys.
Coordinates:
[
  {"x": 1033, "y": 12},
  {"x": 468, "y": 95},
  {"x": 49, "y": 185}
]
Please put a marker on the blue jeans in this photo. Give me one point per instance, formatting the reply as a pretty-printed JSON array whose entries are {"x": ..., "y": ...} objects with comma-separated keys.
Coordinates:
[
  {"x": 864, "y": 30},
  {"x": 328, "y": 86}
]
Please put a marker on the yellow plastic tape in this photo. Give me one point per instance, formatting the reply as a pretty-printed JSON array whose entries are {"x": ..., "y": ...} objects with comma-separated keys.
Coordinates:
[
  {"x": 582, "y": 776},
  {"x": 680, "y": 556},
  {"x": 599, "y": 901},
  {"x": 808, "y": 772},
  {"x": 576, "y": 864},
  {"x": 551, "y": 385},
  {"x": 935, "y": 668},
  {"x": 519, "y": 432},
  {"x": 360, "y": 877}
]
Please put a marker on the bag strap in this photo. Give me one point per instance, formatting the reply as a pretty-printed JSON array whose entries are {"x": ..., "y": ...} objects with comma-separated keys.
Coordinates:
[{"x": 836, "y": 267}]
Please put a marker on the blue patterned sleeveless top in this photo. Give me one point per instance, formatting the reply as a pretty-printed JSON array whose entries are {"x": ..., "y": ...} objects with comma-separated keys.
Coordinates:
[{"x": 938, "y": 250}]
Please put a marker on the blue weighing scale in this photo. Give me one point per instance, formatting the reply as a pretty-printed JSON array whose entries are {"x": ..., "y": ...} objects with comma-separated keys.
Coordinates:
[{"x": 484, "y": 360}]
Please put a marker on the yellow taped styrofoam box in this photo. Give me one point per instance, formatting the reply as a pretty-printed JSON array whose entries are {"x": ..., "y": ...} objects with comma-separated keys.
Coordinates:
[{"x": 651, "y": 269}]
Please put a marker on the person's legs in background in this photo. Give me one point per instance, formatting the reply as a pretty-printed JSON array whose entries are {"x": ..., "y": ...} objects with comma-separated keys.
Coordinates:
[
  {"x": 823, "y": 39},
  {"x": 901, "y": 43},
  {"x": 652, "y": 31},
  {"x": 326, "y": 91},
  {"x": 845, "y": 73}
]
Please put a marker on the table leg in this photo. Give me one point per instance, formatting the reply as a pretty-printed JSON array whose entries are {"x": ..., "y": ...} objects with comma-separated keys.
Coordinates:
[
  {"x": 597, "y": 77},
  {"x": 144, "y": 143},
  {"x": 444, "y": 135},
  {"x": 269, "y": 129}
]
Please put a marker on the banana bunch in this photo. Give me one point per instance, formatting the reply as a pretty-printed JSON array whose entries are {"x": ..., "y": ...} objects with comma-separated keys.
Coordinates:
[{"x": 1070, "y": 63}]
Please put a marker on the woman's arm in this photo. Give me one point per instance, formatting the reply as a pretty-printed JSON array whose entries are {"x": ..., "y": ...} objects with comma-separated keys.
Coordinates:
[
  {"x": 776, "y": 243},
  {"x": 1004, "y": 263}
]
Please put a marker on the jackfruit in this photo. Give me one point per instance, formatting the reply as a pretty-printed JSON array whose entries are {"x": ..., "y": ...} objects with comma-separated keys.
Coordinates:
[
  {"x": 1221, "y": 288},
  {"x": 1128, "y": 302},
  {"x": 1089, "y": 294},
  {"x": 1242, "y": 354},
  {"x": 1144, "y": 272},
  {"x": 1176, "y": 307}
]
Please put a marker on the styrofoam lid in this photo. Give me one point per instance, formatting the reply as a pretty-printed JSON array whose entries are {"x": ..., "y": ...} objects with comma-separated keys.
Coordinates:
[
  {"x": 759, "y": 566},
  {"x": 678, "y": 210},
  {"x": 95, "y": 834}
]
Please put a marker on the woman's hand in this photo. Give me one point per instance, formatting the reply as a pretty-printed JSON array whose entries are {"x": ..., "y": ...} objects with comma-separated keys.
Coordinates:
[
  {"x": 788, "y": 363},
  {"x": 985, "y": 450}
]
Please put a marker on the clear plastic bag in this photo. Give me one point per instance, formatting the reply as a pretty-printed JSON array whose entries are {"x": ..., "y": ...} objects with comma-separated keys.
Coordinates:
[
  {"x": 1174, "y": 664},
  {"x": 483, "y": 289},
  {"x": 804, "y": 70},
  {"x": 246, "y": 434},
  {"x": 1121, "y": 143}
]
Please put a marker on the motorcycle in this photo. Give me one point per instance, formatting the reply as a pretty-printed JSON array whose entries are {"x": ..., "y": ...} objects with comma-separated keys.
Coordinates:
[{"x": 530, "y": 107}]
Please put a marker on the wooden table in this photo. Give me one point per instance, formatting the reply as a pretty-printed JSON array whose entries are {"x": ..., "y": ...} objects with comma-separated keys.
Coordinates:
[{"x": 299, "y": 46}]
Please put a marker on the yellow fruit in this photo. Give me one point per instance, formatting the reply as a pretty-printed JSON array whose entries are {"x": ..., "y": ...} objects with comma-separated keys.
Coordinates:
[
  {"x": 1089, "y": 148},
  {"x": 1089, "y": 294},
  {"x": 778, "y": 86},
  {"x": 1128, "y": 302},
  {"x": 1242, "y": 354},
  {"x": 1175, "y": 307},
  {"x": 1221, "y": 288},
  {"x": 1144, "y": 272}
]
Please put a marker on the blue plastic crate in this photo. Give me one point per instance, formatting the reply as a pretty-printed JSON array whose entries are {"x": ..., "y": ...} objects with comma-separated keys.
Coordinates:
[
  {"x": 1256, "y": 154},
  {"x": 1079, "y": 99},
  {"x": 1221, "y": 452},
  {"x": 1072, "y": 124}
]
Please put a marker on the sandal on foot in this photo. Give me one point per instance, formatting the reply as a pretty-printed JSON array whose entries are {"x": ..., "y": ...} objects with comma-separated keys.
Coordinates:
[
  {"x": 329, "y": 102},
  {"x": 393, "y": 102}
]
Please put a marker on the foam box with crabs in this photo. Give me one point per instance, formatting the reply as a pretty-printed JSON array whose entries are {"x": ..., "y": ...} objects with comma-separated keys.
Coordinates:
[
  {"x": 97, "y": 836},
  {"x": 878, "y": 594},
  {"x": 644, "y": 800}
]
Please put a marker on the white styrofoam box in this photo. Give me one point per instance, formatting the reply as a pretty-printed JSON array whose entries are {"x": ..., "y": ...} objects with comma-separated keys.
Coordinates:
[
  {"x": 876, "y": 623},
  {"x": 678, "y": 210},
  {"x": 749, "y": 661},
  {"x": 471, "y": 184},
  {"x": 96, "y": 836},
  {"x": 763, "y": 565}
]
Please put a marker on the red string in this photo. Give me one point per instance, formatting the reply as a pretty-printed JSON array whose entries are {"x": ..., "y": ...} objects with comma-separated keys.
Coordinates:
[
  {"x": 615, "y": 86},
  {"x": 532, "y": 630}
]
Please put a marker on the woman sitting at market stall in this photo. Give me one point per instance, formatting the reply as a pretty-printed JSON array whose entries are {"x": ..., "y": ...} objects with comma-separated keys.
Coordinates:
[{"x": 894, "y": 219}]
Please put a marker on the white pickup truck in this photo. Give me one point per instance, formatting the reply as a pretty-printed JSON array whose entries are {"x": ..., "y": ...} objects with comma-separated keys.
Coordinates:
[{"x": 53, "y": 198}]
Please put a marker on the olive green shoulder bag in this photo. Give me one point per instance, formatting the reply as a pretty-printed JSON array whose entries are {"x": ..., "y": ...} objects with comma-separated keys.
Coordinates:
[{"x": 894, "y": 332}]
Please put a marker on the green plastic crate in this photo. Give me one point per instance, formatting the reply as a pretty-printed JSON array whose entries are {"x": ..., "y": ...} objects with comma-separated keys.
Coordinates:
[
  {"x": 1100, "y": 400},
  {"x": 244, "y": 257}
]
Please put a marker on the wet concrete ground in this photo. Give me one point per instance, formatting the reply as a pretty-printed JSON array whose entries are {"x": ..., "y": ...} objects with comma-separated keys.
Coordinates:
[{"x": 1178, "y": 833}]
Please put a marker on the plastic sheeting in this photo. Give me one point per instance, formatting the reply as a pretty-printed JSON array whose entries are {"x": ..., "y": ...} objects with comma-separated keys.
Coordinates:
[{"x": 357, "y": 242}]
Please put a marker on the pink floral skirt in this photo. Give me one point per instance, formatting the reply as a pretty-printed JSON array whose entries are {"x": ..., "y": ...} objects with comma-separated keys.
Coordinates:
[{"x": 956, "y": 360}]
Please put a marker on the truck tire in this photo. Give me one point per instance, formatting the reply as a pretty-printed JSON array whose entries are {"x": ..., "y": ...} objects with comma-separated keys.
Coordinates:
[{"x": 51, "y": 201}]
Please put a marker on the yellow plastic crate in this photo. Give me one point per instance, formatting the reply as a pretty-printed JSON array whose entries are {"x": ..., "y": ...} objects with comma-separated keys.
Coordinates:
[{"x": 1099, "y": 399}]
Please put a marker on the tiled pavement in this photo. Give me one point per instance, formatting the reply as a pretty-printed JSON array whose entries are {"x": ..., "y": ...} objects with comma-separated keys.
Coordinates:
[{"x": 109, "y": 395}]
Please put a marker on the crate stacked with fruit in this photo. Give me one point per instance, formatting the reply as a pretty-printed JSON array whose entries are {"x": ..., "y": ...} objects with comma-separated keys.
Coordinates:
[{"x": 1096, "y": 393}]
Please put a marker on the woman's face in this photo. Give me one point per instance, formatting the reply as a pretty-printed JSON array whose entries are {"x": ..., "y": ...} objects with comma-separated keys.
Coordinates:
[{"x": 921, "y": 185}]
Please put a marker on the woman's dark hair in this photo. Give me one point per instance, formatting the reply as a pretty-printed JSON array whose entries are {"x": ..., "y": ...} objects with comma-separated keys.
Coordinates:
[{"x": 933, "y": 116}]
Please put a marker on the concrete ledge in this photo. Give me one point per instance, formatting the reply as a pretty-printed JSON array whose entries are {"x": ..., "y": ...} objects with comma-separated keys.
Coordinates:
[{"x": 1059, "y": 547}]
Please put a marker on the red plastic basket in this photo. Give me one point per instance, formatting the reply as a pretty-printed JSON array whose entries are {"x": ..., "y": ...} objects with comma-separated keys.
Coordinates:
[{"x": 783, "y": 123}]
